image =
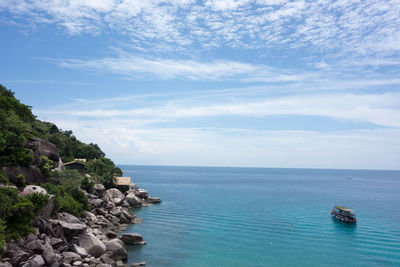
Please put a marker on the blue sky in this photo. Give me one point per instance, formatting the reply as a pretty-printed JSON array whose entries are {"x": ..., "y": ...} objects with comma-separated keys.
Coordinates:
[{"x": 266, "y": 83}]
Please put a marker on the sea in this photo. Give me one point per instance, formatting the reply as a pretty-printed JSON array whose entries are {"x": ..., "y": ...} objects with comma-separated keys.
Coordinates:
[{"x": 217, "y": 216}]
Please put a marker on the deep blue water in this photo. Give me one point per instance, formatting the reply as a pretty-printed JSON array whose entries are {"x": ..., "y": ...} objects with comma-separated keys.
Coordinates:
[{"x": 266, "y": 217}]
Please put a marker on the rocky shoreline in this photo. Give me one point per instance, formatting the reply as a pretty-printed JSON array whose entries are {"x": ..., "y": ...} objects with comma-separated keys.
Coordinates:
[{"x": 92, "y": 241}]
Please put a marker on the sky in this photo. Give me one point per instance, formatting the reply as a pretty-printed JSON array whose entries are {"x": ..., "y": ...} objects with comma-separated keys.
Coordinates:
[{"x": 251, "y": 83}]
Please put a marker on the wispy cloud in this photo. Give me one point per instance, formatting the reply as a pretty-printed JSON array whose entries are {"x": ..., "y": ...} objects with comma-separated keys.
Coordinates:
[
  {"x": 133, "y": 66},
  {"x": 148, "y": 136},
  {"x": 378, "y": 109},
  {"x": 362, "y": 27}
]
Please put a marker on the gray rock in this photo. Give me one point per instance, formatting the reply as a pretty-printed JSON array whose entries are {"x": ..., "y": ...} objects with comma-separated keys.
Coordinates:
[
  {"x": 66, "y": 217},
  {"x": 115, "y": 220},
  {"x": 99, "y": 189},
  {"x": 70, "y": 257},
  {"x": 30, "y": 237},
  {"x": 96, "y": 203},
  {"x": 35, "y": 261},
  {"x": 101, "y": 211},
  {"x": 133, "y": 239},
  {"x": 35, "y": 246},
  {"x": 80, "y": 251},
  {"x": 72, "y": 229},
  {"x": 34, "y": 189},
  {"x": 32, "y": 174},
  {"x": 125, "y": 204},
  {"x": 143, "y": 263},
  {"x": 153, "y": 200},
  {"x": 116, "y": 211},
  {"x": 90, "y": 216},
  {"x": 41, "y": 147},
  {"x": 116, "y": 246},
  {"x": 20, "y": 256},
  {"x": 124, "y": 219},
  {"x": 133, "y": 200},
  {"x": 48, "y": 255},
  {"x": 11, "y": 250},
  {"x": 44, "y": 225},
  {"x": 56, "y": 242},
  {"x": 111, "y": 234},
  {"x": 115, "y": 196},
  {"x": 48, "y": 209},
  {"x": 92, "y": 245},
  {"x": 77, "y": 263}
]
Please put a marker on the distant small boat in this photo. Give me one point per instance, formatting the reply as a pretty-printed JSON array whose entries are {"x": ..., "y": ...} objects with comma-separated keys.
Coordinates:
[{"x": 344, "y": 214}]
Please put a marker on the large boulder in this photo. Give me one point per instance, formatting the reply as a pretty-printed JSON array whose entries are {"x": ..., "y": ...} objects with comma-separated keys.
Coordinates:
[
  {"x": 35, "y": 246},
  {"x": 48, "y": 255},
  {"x": 115, "y": 196},
  {"x": 80, "y": 251},
  {"x": 116, "y": 247},
  {"x": 96, "y": 203},
  {"x": 20, "y": 256},
  {"x": 32, "y": 174},
  {"x": 66, "y": 217},
  {"x": 70, "y": 257},
  {"x": 116, "y": 211},
  {"x": 153, "y": 200},
  {"x": 35, "y": 261},
  {"x": 90, "y": 216},
  {"x": 92, "y": 245},
  {"x": 72, "y": 229},
  {"x": 133, "y": 239},
  {"x": 48, "y": 209},
  {"x": 133, "y": 200},
  {"x": 44, "y": 225},
  {"x": 99, "y": 189},
  {"x": 40, "y": 148},
  {"x": 33, "y": 189}
]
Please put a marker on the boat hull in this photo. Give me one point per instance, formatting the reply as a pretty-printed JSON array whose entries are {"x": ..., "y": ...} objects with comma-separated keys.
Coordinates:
[{"x": 343, "y": 218}]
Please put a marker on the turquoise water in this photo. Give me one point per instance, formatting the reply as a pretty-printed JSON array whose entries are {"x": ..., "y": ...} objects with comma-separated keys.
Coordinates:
[{"x": 266, "y": 217}]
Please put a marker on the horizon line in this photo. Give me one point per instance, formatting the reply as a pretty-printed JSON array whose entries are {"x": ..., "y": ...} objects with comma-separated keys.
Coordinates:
[{"x": 254, "y": 167}]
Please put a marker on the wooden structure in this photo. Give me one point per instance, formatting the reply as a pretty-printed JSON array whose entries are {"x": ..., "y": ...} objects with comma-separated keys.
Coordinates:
[
  {"x": 123, "y": 180},
  {"x": 76, "y": 165}
]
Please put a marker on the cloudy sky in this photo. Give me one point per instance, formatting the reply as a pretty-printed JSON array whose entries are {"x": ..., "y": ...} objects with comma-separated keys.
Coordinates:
[{"x": 266, "y": 83}]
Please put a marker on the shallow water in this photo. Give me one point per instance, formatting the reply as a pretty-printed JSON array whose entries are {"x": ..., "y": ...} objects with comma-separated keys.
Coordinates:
[{"x": 266, "y": 217}]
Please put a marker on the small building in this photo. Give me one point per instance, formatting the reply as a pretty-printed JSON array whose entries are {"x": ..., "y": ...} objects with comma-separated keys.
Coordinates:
[
  {"x": 76, "y": 165},
  {"x": 123, "y": 180}
]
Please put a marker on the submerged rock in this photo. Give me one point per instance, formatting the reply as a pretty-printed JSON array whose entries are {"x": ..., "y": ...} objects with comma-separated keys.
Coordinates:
[
  {"x": 133, "y": 200},
  {"x": 133, "y": 239},
  {"x": 116, "y": 247}
]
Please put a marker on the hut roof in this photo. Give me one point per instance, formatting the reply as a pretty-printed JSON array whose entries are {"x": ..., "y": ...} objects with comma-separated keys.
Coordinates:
[
  {"x": 74, "y": 161},
  {"x": 123, "y": 180}
]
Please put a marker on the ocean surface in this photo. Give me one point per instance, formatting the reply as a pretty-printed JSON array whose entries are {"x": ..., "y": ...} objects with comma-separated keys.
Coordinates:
[{"x": 266, "y": 217}]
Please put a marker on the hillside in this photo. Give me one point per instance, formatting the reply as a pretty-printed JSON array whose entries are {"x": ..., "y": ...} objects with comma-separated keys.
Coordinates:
[{"x": 30, "y": 151}]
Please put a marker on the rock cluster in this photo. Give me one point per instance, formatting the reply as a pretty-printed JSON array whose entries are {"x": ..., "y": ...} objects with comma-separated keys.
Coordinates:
[{"x": 65, "y": 240}]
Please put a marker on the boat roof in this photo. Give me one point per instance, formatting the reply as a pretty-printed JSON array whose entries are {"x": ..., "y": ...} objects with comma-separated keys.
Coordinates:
[{"x": 343, "y": 208}]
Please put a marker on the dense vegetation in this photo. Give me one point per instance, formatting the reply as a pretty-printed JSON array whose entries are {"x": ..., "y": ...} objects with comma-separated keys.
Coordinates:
[{"x": 17, "y": 125}]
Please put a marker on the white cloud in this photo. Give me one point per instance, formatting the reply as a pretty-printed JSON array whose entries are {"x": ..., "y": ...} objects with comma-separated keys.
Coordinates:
[
  {"x": 368, "y": 149},
  {"x": 378, "y": 109},
  {"x": 136, "y": 136},
  {"x": 362, "y": 27},
  {"x": 139, "y": 67}
]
